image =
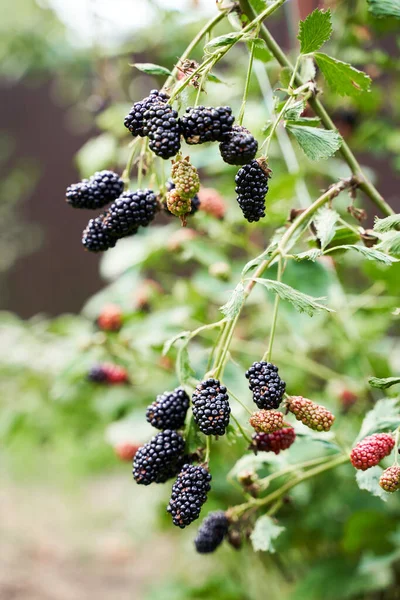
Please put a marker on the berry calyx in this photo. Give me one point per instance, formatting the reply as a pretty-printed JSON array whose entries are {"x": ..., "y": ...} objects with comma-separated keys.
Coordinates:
[
  {"x": 239, "y": 146},
  {"x": 211, "y": 532},
  {"x": 267, "y": 421},
  {"x": 108, "y": 373},
  {"x": 159, "y": 459},
  {"x": 371, "y": 450},
  {"x": 390, "y": 479},
  {"x": 169, "y": 410},
  {"x": 189, "y": 493},
  {"x": 110, "y": 318},
  {"x": 185, "y": 177},
  {"x": 273, "y": 442},
  {"x": 313, "y": 415},
  {"x": 211, "y": 410},
  {"x": 266, "y": 385}
]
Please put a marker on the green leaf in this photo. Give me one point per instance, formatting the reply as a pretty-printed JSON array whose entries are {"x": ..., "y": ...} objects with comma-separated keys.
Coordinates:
[
  {"x": 384, "y": 8},
  {"x": 261, "y": 51},
  {"x": 384, "y": 415},
  {"x": 325, "y": 224},
  {"x": 303, "y": 121},
  {"x": 312, "y": 255},
  {"x": 222, "y": 41},
  {"x": 259, "y": 259},
  {"x": 285, "y": 76},
  {"x": 234, "y": 304},
  {"x": 369, "y": 480},
  {"x": 301, "y": 302},
  {"x": 255, "y": 462},
  {"x": 151, "y": 69},
  {"x": 383, "y": 383},
  {"x": 390, "y": 243},
  {"x": 315, "y": 31},
  {"x": 294, "y": 112},
  {"x": 369, "y": 253},
  {"x": 264, "y": 533},
  {"x": 344, "y": 79},
  {"x": 316, "y": 143},
  {"x": 212, "y": 77},
  {"x": 169, "y": 343},
  {"x": 387, "y": 224},
  {"x": 258, "y": 5}
]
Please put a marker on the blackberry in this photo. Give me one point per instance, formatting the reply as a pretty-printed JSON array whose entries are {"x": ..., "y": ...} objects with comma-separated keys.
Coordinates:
[
  {"x": 177, "y": 206},
  {"x": 185, "y": 177},
  {"x": 110, "y": 318},
  {"x": 239, "y": 146},
  {"x": 206, "y": 124},
  {"x": 273, "y": 442},
  {"x": 371, "y": 450},
  {"x": 159, "y": 459},
  {"x": 95, "y": 237},
  {"x": 169, "y": 410},
  {"x": 195, "y": 200},
  {"x": 108, "y": 373},
  {"x": 267, "y": 421},
  {"x": 211, "y": 532},
  {"x": 102, "y": 187},
  {"x": 251, "y": 188},
  {"x": 211, "y": 408},
  {"x": 313, "y": 415},
  {"x": 160, "y": 124},
  {"x": 266, "y": 385},
  {"x": 390, "y": 479},
  {"x": 129, "y": 211},
  {"x": 189, "y": 493},
  {"x": 134, "y": 119}
]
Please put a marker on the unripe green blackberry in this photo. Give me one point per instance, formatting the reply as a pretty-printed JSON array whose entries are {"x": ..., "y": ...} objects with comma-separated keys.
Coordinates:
[
  {"x": 178, "y": 206},
  {"x": 371, "y": 450},
  {"x": 95, "y": 236},
  {"x": 195, "y": 201},
  {"x": 273, "y": 442},
  {"x": 185, "y": 177},
  {"x": 390, "y": 479},
  {"x": 159, "y": 459},
  {"x": 267, "y": 421},
  {"x": 211, "y": 532},
  {"x": 211, "y": 410},
  {"x": 97, "y": 191},
  {"x": 169, "y": 410},
  {"x": 206, "y": 124},
  {"x": 266, "y": 385},
  {"x": 313, "y": 415},
  {"x": 160, "y": 124},
  {"x": 134, "y": 120},
  {"x": 239, "y": 146},
  {"x": 189, "y": 493},
  {"x": 251, "y": 188},
  {"x": 129, "y": 211}
]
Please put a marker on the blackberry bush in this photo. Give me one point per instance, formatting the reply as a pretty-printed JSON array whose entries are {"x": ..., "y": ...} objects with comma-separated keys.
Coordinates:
[
  {"x": 189, "y": 493},
  {"x": 159, "y": 459},
  {"x": 211, "y": 410},
  {"x": 169, "y": 410}
]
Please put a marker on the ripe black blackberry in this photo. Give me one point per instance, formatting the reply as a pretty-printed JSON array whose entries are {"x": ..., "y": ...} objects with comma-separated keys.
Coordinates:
[
  {"x": 206, "y": 124},
  {"x": 189, "y": 493},
  {"x": 251, "y": 188},
  {"x": 134, "y": 119},
  {"x": 239, "y": 146},
  {"x": 160, "y": 124},
  {"x": 159, "y": 459},
  {"x": 169, "y": 410},
  {"x": 97, "y": 191},
  {"x": 195, "y": 200},
  {"x": 129, "y": 211},
  {"x": 95, "y": 237},
  {"x": 211, "y": 408},
  {"x": 266, "y": 385},
  {"x": 211, "y": 532}
]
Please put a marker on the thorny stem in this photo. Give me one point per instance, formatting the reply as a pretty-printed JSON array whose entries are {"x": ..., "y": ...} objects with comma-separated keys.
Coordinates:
[
  {"x": 267, "y": 355},
  {"x": 246, "y": 85}
]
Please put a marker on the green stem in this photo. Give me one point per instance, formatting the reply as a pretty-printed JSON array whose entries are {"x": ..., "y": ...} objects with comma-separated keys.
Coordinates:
[
  {"x": 275, "y": 125},
  {"x": 127, "y": 171},
  {"x": 267, "y": 355},
  {"x": 185, "y": 82},
  {"x": 208, "y": 449},
  {"x": 246, "y": 85},
  {"x": 239, "y": 401},
  {"x": 242, "y": 431},
  {"x": 265, "y": 481}
]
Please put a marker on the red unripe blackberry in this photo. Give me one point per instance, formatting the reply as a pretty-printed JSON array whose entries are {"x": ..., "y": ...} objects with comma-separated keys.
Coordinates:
[
  {"x": 126, "y": 451},
  {"x": 371, "y": 450},
  {"x": 159, "y": 459},
  {"x": 273, "y": 442},
  {"x": 94, "y": 193},
  {"x": 129, "y": 211},
  {"x": 239, "y": 146},
  {"x": 206, "y": 124},
  {"x": 266, "y": 385},
  {"x": 134, "y": 119},
  {"x": 195, "y": 202},
  {"x": 267, "y": 421},
  {"x": 189, "y": 493},
  {"x": 211, "y": 410},
  {"x": 313, "y": 415},
  {"x": 160, "y": 124},
  {"x": 211, "y": 532},
  {"x": 251, "y": 188},
  {"x": 390, "y": 479},
  {"x": 169, "y": 410},
  {"x": 108, "y": 373},
  {"x": 95, "y": 237},
  {"x": 110, "y": 318},
  {"x": 212, "y": 203}
]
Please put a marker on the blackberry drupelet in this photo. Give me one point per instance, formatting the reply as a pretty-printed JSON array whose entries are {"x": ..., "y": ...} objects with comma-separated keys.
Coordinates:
[
  {"x": 211, "y": 408},
  {"x": 159, "y": 459},
  {"x": 239, "y": 146},
  {"x": 266, "y": 385},
  {"x": 169, "y": 410},
  {"x": 134, "y": 119},
  {"x": 160, "y": 124},
  {"x": 95, "y": 237},
  {"x": 273, "y": 442},
  {"x": 251, "y": 188},
  {"x": 102, "y": 187},
  {"x": 211, "y": 532},
  {"x": 206, "y": 124},
  {"x": 189, "y": 493},
  {"x": 129, "y": 211},
  {"x": 195, "y": 200}
]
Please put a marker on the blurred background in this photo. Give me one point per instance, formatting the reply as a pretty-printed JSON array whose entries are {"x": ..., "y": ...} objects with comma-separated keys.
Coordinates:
[{"x": 73, "y": 526}]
